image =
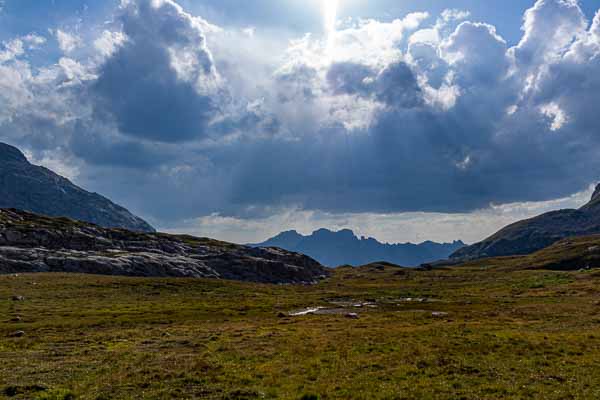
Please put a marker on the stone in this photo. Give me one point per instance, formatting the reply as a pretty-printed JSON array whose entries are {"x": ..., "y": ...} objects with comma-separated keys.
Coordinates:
[
  {"x": 352, "y": 316},
  {"x": 17, "y": 334},
  {"x": 439, "y": 314},
  {"x": 18, "y": 298},
  {"x": 61, "y": 245}
]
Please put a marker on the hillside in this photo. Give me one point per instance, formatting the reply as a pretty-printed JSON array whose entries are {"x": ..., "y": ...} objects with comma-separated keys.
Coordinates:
[
  {"x": 37, "y": 189},
  {"x": 345, "y": 248},
  {"x": 528, "y": 236},
  {"x": 571, "y": 254},
  {"x": 33, "y": 243}
]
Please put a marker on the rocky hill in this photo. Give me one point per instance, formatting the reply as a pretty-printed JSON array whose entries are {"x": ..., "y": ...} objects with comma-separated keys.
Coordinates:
[
  {"x": 34, "y": 243},
  {"x": 345, "y": 248},
  {"x": 528, "y": 236},
  {"x": 37, "y": 189}
]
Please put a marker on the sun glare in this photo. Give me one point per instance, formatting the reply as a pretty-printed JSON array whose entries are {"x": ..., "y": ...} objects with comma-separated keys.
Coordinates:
[{"x": 330, "y": 9}]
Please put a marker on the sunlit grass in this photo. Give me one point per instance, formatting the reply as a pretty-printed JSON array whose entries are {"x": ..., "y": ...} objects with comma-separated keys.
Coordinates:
[{"x": 507, "y": 335}]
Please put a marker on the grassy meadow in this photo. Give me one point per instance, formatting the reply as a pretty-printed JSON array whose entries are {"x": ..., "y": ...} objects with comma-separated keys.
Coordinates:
[{"x": 472, "y": 332}]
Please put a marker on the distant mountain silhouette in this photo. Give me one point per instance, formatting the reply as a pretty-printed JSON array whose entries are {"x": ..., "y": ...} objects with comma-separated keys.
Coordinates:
[
  {"x": 37, "y": 189},
  {"x": 531, "y": 235},
  {"x": 344, "y": 248}
]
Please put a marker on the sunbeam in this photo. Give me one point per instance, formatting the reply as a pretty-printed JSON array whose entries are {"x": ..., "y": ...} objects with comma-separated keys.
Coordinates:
[{"x": 330, "y": 9}]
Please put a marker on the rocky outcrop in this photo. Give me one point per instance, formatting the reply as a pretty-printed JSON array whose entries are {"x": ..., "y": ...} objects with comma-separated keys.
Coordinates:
[
  {"x": 28, "y": 187},
  {"x": 531, "y": 235},
  {"x": 34, "y": 243}
]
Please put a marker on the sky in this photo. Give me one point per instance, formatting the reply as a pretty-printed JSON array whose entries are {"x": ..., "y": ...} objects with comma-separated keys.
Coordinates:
[{"x": 402, "y": 120}]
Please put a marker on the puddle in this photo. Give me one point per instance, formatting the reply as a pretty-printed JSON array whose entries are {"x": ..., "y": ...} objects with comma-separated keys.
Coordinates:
[
  {"x": 354, "y": 304},
  {"x": 322, "y": 311},
  {"x": 349, "y": 307},
  {"x": 333, "y": 311},
  {"x": 306, "y": 311},
  {"x": 413, "y": 300},
  {"x": 338, "y": 307}
]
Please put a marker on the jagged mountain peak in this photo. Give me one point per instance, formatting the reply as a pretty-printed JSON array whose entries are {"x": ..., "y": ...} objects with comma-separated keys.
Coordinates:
[
  {"x": 290, "y": 233},
  {"x": 345, "y": 248},
  {"x": 595, "y": 200},
  {"x": 596, "y": 194}
]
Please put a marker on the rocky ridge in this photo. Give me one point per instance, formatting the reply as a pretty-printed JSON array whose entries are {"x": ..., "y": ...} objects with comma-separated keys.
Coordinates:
[
  {"x": 37, "y": 189},
  {"x": 34, "y": 243},
  {"x": 528, "y": 236}
]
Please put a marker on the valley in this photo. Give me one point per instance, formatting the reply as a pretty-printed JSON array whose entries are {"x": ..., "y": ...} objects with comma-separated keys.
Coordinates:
[
  {"x": 490, "y": 329},
  {"x": 299, "y": 200}
]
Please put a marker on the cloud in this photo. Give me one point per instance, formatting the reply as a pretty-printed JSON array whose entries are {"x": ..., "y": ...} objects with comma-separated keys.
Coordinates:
[
  {"x": 394, "y": 117},
  {"x": 556, "y": 115},
  {"x": 398, "y": 87},
  {"x": 109, "y": 42},
  {"x": 454, "y": 15},
  {"x": 160, "y": 82},
  {"x": 394, "y": 86},
  {"x": 477, "y": 54},
  {"x": 439, "y": 154},
  {"x": 391, "y": 228},
  {"x": 15, "y": 48},
  {"x": 350, "y": 78},
  {"x": 67, "y": 42},
  {"x": 550, "y": 26}
]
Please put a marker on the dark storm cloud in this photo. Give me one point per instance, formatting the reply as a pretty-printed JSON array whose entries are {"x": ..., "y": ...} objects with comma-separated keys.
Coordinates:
[
  {"x": 395, "y": 85},
  {"x": 99, "y": 147},
  {"x": 448, "y": 125},
  {"x": 140, "y": 84},
  {"x": 350, "y": 78},
  {"x": 495, "y": 144}
]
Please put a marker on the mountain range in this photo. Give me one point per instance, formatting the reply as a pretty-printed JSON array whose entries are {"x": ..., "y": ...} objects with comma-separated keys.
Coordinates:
[
  {"x": 530, "y": 235},
  {"x": 345, "y": 248},
  {"x": 37, "y": 189}
]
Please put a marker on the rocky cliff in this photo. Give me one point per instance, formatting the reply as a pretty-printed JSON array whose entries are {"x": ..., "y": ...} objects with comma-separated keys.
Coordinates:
[
  {"x": 34, "y": 243},
  {"x": 531, "y": 235},
  {"x": 28, "y": 187}
]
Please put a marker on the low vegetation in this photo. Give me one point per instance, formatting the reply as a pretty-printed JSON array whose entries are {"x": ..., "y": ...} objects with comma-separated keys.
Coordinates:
[
  {"x": 469, "y": 332},
  {"x": 571, "y": 254}
]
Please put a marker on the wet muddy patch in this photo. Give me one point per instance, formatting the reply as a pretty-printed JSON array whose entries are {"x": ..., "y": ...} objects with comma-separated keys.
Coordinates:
[
  {"x": 319, "y": 311},
  {"x": 355, "y": 307}
]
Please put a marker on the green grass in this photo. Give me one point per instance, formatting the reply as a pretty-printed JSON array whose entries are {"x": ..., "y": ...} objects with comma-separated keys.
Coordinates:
[{"x": 509, "y": 334}]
